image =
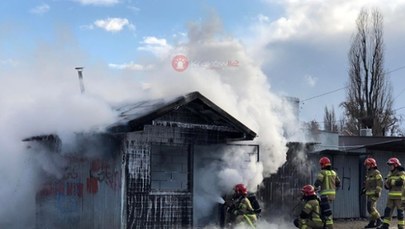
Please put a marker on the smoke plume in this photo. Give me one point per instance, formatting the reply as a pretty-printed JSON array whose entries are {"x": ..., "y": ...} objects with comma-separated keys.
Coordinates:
[{"x": 41, "y": 95}]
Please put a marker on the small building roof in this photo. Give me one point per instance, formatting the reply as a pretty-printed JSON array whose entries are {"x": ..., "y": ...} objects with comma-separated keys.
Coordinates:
[
  {"x": 397, "y": 145},
  {"x": 353, "y": 144},
  {"x": 134, "y": 116}
]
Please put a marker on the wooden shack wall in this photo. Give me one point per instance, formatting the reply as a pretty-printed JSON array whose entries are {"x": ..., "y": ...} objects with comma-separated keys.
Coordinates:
[
  {"x": 280, "y": 192},
  {"x": 146, "y": 208}
]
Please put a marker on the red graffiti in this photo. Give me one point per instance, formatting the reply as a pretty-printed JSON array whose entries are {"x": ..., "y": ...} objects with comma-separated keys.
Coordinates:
[
  {"x": 101, "y": 171},
  {"x": 73, "y": 189},
  {"x": 92, "y": 185}
]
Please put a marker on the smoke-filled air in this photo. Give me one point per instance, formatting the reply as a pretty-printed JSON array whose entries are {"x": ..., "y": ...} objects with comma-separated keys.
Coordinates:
[{"x": 40, "y": 95}]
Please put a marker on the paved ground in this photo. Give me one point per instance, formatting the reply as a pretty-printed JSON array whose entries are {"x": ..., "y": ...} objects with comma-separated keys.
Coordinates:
[
  {"x": 350, "y": 224},
  {"x": 338, "y": 224},
  {"x": 357, "y": 224}
]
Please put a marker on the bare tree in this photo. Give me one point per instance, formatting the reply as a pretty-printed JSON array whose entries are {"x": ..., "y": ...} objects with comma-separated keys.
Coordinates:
[
  {"x": 329, "y": 120},
  {"x": 369, "y": 100},
  {"x": 312, "y": 130}
]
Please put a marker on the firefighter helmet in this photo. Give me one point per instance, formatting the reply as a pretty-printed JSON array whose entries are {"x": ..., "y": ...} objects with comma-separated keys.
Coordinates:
[
  {"x": 241, "y": 189},
  {"x": 394, "y": 161},
  {"x": 308, "y": 190},
  {"x": 370, "y": 162},
  {"x": 324, "y": 161}
]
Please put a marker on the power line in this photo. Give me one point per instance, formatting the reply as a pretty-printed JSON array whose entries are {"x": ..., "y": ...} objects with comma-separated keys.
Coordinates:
[
  {"x": 326, "y": 93},
  {"x": 396, "y": 97},
  {"x": 333, "y": 91},
  {"x": 399, "y": 108},
  {"x": 403, "y": 88},
  {"x": 396, "y": 69},
  {"x": 343, "y": 119}
]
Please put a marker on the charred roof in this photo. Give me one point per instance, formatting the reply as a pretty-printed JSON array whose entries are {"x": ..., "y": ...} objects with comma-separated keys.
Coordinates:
[{"x": 134, "y": 116}]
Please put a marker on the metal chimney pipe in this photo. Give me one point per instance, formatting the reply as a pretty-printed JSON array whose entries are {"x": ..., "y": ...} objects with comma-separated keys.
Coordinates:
[{"x": 79, "y": 71}]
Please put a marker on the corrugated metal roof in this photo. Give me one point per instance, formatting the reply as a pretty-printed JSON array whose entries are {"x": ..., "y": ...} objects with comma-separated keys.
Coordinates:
[{"x": 358, "y": 143}]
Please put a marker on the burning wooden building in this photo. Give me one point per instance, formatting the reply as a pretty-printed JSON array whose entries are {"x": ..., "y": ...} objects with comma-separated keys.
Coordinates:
[{"x": 142, "y": 172}]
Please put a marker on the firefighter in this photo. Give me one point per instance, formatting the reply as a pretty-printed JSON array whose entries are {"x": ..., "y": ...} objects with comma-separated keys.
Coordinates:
[
  {"x": 394, "y": 184},
  {"x": 310, "y": 216},
  {"x": 403, "y": 199},
  {"x": 372, "y": 188},
  {"x": 241, "y": 209},
  {"x": 327, "y": 181}
]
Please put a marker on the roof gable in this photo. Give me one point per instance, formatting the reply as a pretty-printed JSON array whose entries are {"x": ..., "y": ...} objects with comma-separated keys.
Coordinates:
[{"x": 204, "y": 114}]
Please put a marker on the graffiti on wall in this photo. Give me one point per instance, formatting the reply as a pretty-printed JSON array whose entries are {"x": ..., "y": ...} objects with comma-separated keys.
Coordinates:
[
  {"x": 102, "y": 172},
  {"x": 346, "y": 178},
  {"x": 70, "y": 173},
  {"x": 94, "y": 174}
]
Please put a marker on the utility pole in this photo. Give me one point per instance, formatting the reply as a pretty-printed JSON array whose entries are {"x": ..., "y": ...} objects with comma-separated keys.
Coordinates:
[{"x": 79, "y": 71}]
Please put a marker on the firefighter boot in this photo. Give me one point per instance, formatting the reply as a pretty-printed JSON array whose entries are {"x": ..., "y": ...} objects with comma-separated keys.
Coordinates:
[
  {"x": 371, "y": 224},
  {"x": 384, "y": 226},
  {"x": 378, "y": 222}
]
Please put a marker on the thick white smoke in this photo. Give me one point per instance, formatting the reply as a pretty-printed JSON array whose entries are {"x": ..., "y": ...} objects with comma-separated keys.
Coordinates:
[
  {"x": 217, "y": 169},
  {"x": 243, "y": 91},
  {"x": 41, "y": 95}
]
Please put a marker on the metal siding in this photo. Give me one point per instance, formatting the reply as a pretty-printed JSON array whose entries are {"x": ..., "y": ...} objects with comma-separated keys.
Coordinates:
[
  {"x": 87, "y": 196},
  {"x": 107, "y": 200},
  {"x": 347, "y": 200}
]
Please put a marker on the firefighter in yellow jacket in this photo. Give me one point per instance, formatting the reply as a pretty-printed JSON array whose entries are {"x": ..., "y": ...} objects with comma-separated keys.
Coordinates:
[
  {"x": 372, "y": 189},
  {"x": 310, "y": 216},
  {"x": 394, "y": 184},
  {"x": 327, "y": 182},
  {"x": 403, "y": 199},
  {"x": 241, "y": 209}
]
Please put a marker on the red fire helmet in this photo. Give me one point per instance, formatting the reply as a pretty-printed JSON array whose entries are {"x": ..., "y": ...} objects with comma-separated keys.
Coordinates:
[
  {"x": 308, "y": 190},
  {"x": 394, "y": 161},
  {"x": 370, "y": 162},
  {"x": 241, "y": 189},
  {"x": 324, "y": 161}
]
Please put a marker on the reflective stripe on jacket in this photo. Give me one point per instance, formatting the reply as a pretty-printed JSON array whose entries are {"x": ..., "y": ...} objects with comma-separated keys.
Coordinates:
[
  {"x": 374, "y": 182},
  {"x": 245, "y": 208},
  {"x": 395, "y": 191},
  {"x": 313, "y": 209},
  {"x": 328, "y": 180}
]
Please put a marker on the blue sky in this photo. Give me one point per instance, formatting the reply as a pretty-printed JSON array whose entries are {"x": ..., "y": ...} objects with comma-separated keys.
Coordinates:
[
  {"x": 130, "y": 23},
  {"x": 301, "y": 46}
]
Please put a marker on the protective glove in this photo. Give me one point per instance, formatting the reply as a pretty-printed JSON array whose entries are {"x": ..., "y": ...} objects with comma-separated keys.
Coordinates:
[
  {"x": 387, "y": 187},
  {"x": 377, "y": 194},
  {"x": 399, "y": 182},
  {"x": 296, "y": 223}
]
